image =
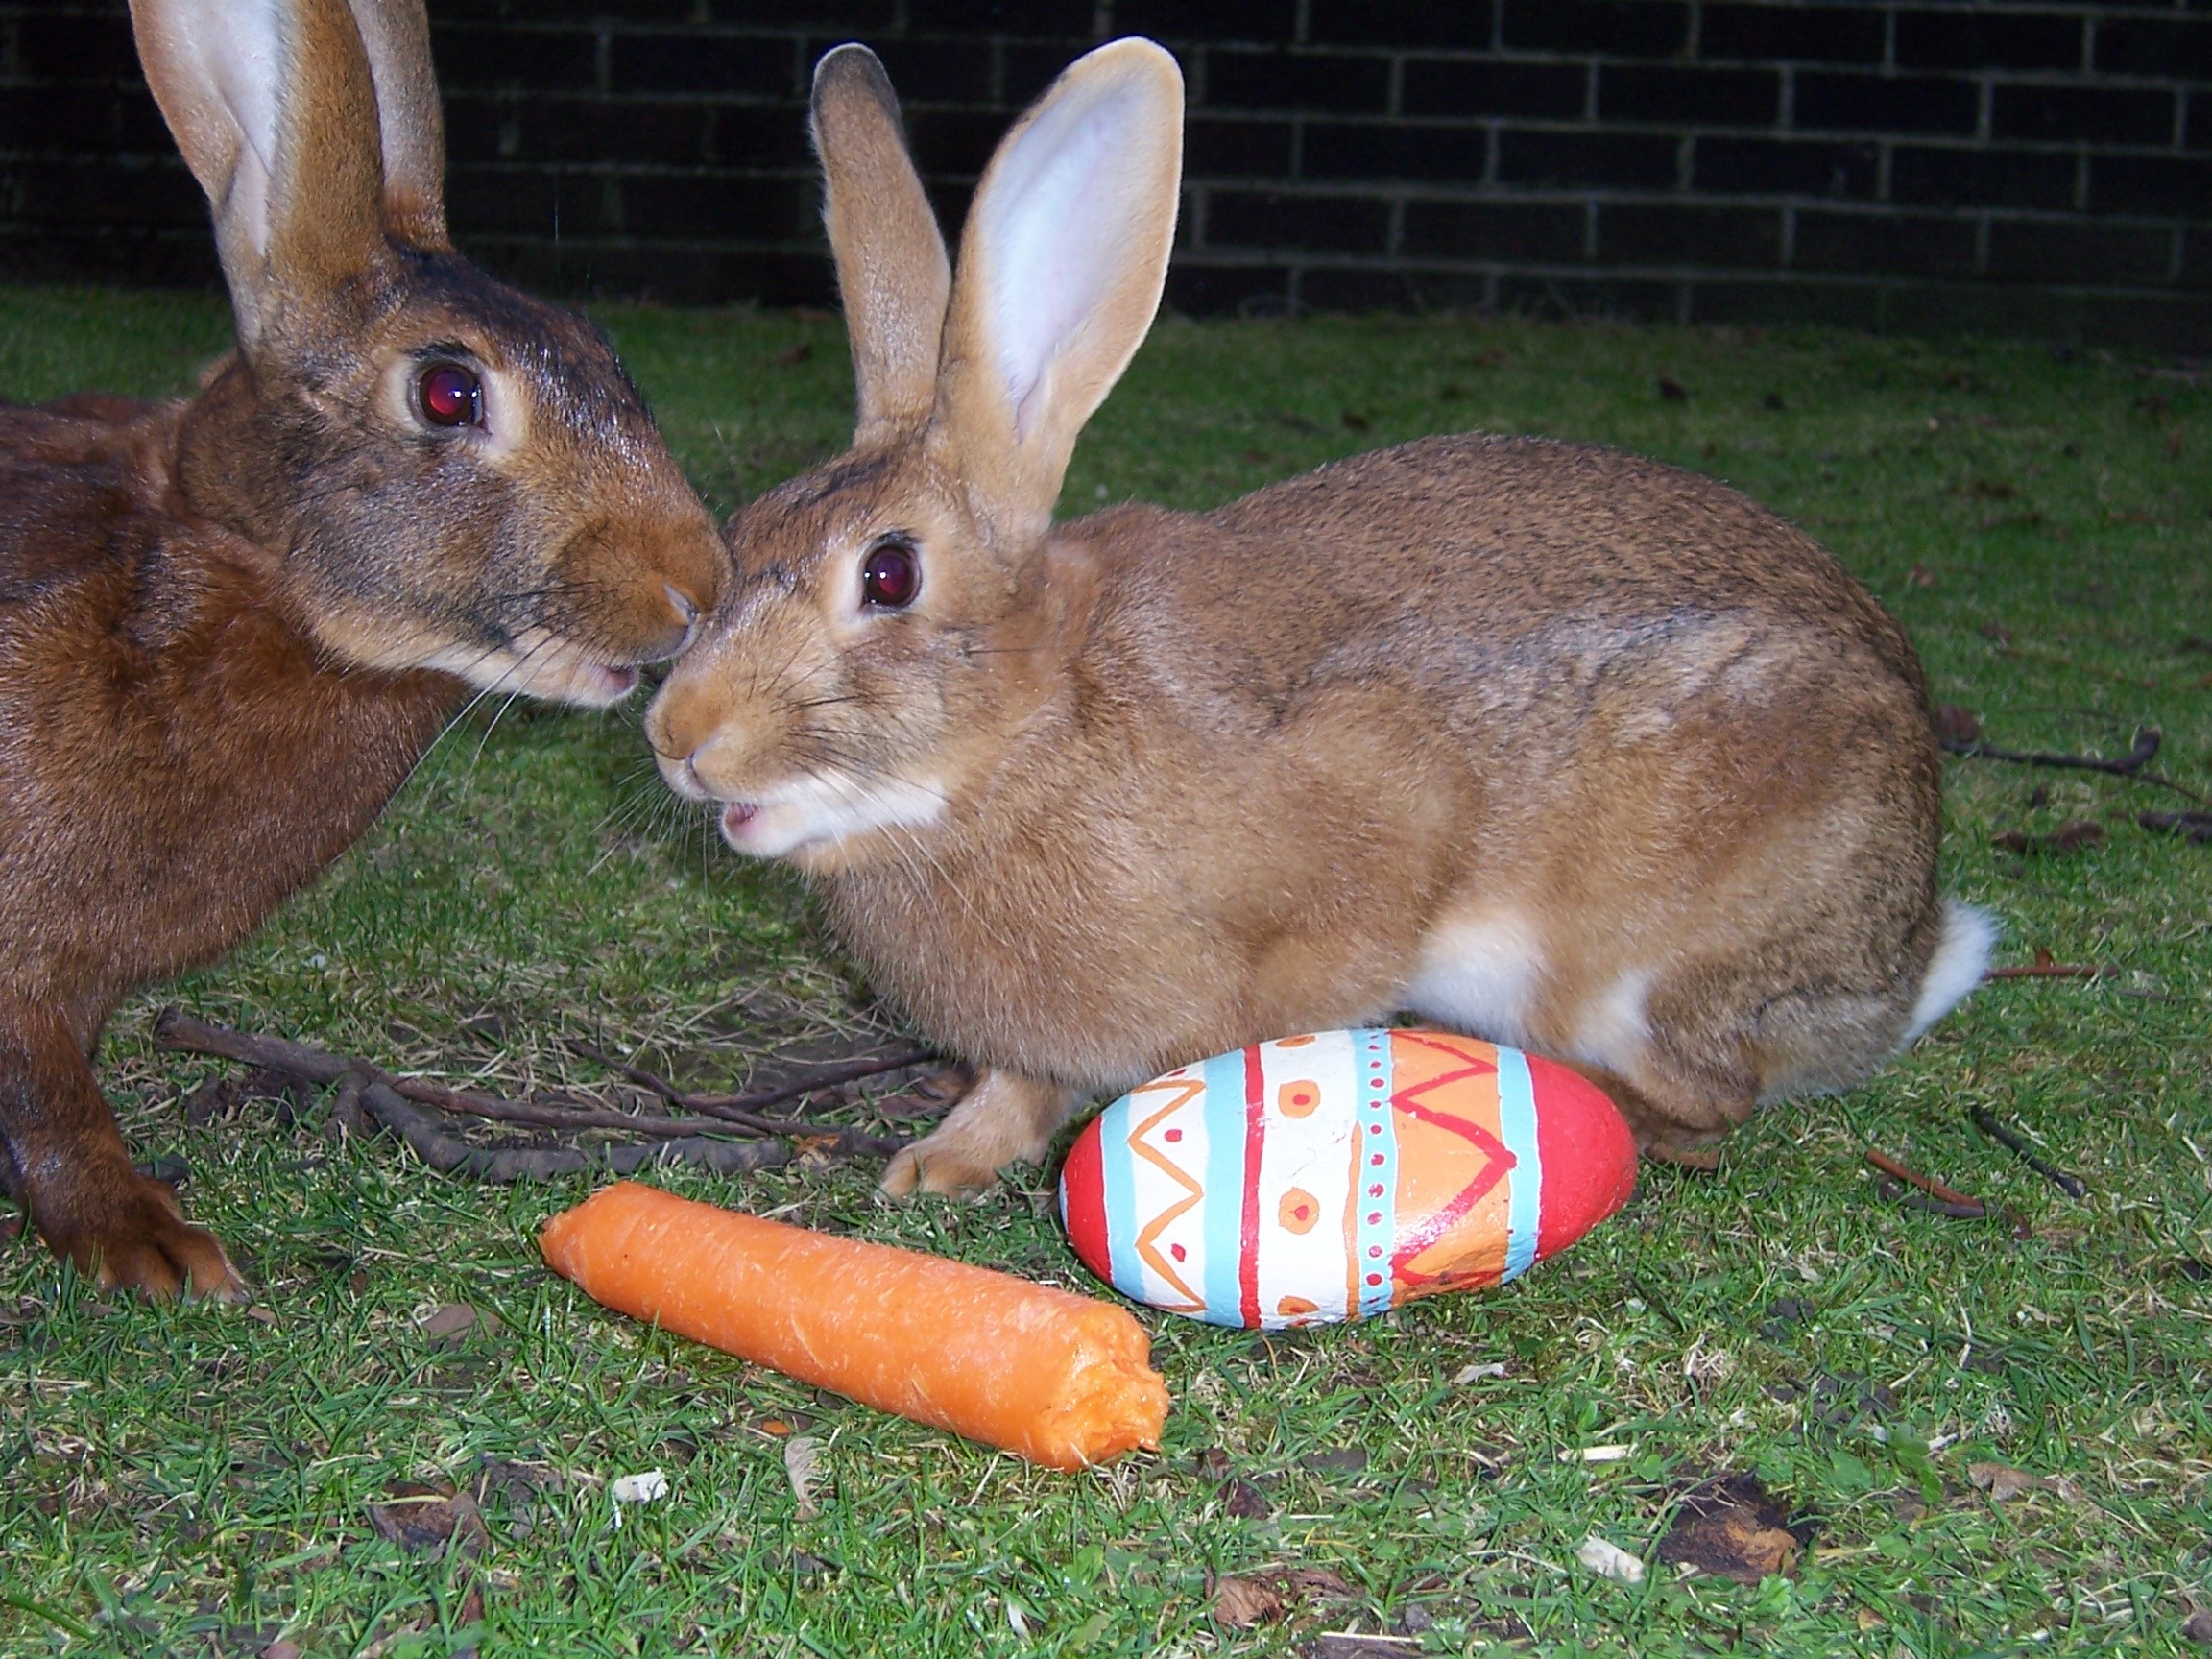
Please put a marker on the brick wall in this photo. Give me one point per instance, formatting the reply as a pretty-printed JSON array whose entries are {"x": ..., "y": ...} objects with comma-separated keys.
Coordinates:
[{"x": 2013, "y": 166}]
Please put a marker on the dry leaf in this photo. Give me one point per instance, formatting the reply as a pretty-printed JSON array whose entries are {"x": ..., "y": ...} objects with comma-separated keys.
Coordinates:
[
  {"x": 1212, "y": 1462},
  {"x": 2198, "y": 1627},
  {"x": 428, "y": 1519},
  {"x": 1467, "y": 1374},
  {"x": 1957, "y": 725},
  {"x": 802, "y": 1468},
  {"x": 1244, "y": 1602},
  {"x": 648, "y": 1486},
  {"x": 449, "y": 1319},
  {"x": 282, "y": 1649},
  {"x": 1731, "y": 1529},
  {"x": 1670, "y": 391},
  {"x": 1608, "y": 1560},
  {"x": 791, "y": 356},
  {"x": 1595, "y": 1454},
  {"x": 2001, "y": 1481},
  {"x": 1243, "y": 1500}
]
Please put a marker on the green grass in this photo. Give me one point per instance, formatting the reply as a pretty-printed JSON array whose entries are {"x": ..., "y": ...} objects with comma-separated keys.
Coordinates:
[{"x": 196, "y": 1480}]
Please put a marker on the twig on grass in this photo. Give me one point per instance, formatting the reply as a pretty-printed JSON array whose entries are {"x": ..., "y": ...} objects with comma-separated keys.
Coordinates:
[
  {"x": 1943, "y": 1200},
  {"x": 394, "y": 1103},
  {"x": 1986, "y": 1120},
  {"x": 2048, "y": 971},
  {"x": 2129, "y": 765},
  {"x": 2196, "y": 827},
  {"x": 744, "y": 1109}
]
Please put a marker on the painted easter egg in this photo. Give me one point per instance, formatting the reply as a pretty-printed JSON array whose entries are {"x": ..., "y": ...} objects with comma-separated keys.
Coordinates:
[{"x": 1337, "y": 1176}]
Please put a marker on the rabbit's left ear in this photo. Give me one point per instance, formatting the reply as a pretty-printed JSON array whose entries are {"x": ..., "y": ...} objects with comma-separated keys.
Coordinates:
[
  {"x": 1061, "y": 268},
  {"x": 409, "y": 118}
]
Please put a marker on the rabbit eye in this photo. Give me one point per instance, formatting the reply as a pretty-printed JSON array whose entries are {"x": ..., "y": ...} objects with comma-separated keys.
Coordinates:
[
  {"x": 450, "y": 396},
  {"x": 891, "y": 577}
]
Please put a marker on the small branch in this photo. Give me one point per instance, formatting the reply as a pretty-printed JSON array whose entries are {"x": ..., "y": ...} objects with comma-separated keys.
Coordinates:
[
  {"x": 2129, "y": 765},
  {"x": 1986, "y": 1120},
  {"x": 743, "y": 1110},
  {"x": 1957, "y": 1203},
  {"x": 2196, "y": 827},
  {"x": 2048, "y": 971},
  {"x": 389, "y": 1100}
]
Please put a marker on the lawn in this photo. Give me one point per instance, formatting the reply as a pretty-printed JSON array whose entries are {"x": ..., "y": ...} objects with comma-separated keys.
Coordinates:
[{"x": 199, "y": 1481}]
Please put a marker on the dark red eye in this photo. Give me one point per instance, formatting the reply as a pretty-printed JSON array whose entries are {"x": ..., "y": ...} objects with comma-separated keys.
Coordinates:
[
  {"x": 892, "y": 576},
  {"x": 451, "y": 395}
]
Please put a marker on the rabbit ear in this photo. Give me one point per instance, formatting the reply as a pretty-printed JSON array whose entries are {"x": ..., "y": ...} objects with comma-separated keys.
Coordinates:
[
  {"x": 892, "y": 272},
  {"x": 409, "y": 118},
  {"x": 1062, "y": 263},
  {"x": 273, "y": 104}
]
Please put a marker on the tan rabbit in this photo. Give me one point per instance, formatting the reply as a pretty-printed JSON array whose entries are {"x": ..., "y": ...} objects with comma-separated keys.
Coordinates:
[
  {"x": 230, "y": 627},
  {"x": 1547, "y": 743}
]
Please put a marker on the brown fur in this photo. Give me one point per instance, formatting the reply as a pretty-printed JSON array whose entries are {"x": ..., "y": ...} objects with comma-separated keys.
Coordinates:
[
  {"x": 1474, "y": 705},
  {"x": 229, "y": 628}
]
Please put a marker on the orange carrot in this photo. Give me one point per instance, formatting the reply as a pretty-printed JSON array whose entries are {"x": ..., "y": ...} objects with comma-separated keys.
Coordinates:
[{"x": 1063, "y": 1380}]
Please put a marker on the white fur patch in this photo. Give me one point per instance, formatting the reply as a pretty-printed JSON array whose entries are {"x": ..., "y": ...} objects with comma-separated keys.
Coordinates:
[
  {"x": 1611, "y": 1031},
  {"x": 1961, "y": 958},
  {"x": 1477, "y": 972},
  {"x": 830, "y": 806}
]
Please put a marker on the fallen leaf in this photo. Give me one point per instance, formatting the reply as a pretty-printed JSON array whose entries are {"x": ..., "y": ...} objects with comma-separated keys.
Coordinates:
[
  {"x": 1348, "y": 1460},
  {"x": 1730, "y": 1528},
  {"x": 281, "y": 1648},
  {"x": 1241, "y": 1602},
  {"x": 1354, "y": 422},
  {"x": 2194, "y": 826},
  {"x": 2001, "y": 1481},
  {"x": 647, "y": 1486},
  {"x": 791, "y": 356},
  {"x": 1608, "y": 1560},
  {"x": 1467, "y": 1374},
  {"x": 2198, "y": 1627},
  {"x": 1613, "y": 1453},
  {"x": 1920, "y": 576},
  {"x": 429, "y": 1519},
  {"x": 1670, "y": 391},
  {"x": 1957, "y": 725},
  {"x": 1212, "y": 1462},
  {"x": 1243, "y": 1500},
  {"x": 802, "y": 1468},
  {"x": 450, "y": 1319}
]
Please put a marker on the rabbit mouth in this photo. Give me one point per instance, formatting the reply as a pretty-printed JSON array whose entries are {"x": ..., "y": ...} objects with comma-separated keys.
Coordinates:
[
  {"x": 537, "y": 662},
  {"x": 815, "y": 814}
]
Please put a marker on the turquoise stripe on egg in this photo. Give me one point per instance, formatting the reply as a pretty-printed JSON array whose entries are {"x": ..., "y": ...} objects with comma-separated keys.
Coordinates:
[
  {"x": 1223, "y": 1206},
  {"x": 1516, "y": 1125},
  {"x": 1118, "y": 1175},
  {"x": 1376, "y": 1214}
]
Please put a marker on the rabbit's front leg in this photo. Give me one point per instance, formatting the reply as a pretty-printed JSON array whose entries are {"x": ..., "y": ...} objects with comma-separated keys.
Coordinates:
[
  {"x": 1003, "y": 1119},
  {"x": 64, "y": 1161}
]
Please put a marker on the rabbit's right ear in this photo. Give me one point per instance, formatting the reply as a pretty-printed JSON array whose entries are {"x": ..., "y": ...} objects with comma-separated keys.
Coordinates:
[
  {"x": 275, "y": 107},
  {"x": 892, "y": 272},
  {"x": 1062, "y": 264},
  {"x": 410, "y": 119}
]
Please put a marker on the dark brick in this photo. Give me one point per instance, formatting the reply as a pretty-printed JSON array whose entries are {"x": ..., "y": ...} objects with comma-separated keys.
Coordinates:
[
  {"x": 589, "y": 130},
  {"x": 1393, "y": 150},
  {"x": 1258, "y": 22},
  {"x": 674, "y": 275},
  {"x": 1689, "y": 97},
  {"x": 1928, "y": 176},
  {"x": 153, "y": 194},
  {"x": 954, "y": 141},
  {"x": 1633, "y": 160},
  {"x": 2168, "y": 323},
  {"x": 1591, "y": 297},
  {"x": 527, "y": 200},
  {"x": 1961, "y": 40},
  {"x": 538, "y": 60},
  {"x": 591, "y": 12},
  {"x": 2197, "y": 258},
  {"x": 724, "y": 65},
  {"x": 1213, "y": 146},
  {"x": 1401, "y": 22},
  {"x": 1888, "y": 243},
  {"x": 759, "y": 137},
  {"x": 1641, "y": 234},
  {"x": 699, "y": 205},
  {"x": 2176, "y": 185},
  {"x": 1059, "y": 19},
  {"x": 1477, "y": 86},
  {"x": 1807, "y": 34},
  {"x": 935, "y": 71},
  {"x": 109, "y": 253},
  {"x": 1031, "y": 68},
  {"x": 1304, "y": 224},
  {"x": 1364, "y": 288},
  {"x": 1536, "y": 232},
  {"x": 2168, "y": 49},
  {"x": 76, "y": 48},
  {"x": 2041, "y": 250},
  {"x": 1199, "y": 290},
  {"x": 850, "y": 17},
  {"x": 1614, "y": 27},
  {"x": 64, "y": 118},
  {"x": 1299, "y": 80},
  {"x": 1884, "y": 103},
  {"x": 1786, "y": 167},
  {"x": 1789, "y": 299},
  {"x": 476, "y": 126},
  {"x": 2099, "y": 114}
]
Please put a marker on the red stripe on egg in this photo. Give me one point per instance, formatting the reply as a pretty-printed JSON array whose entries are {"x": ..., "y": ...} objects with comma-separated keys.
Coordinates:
[
  {"x": 1248, "y": 1256},
  {"x": 1083, "y": 1202},
  {"x": 1588, "y": 1154}
]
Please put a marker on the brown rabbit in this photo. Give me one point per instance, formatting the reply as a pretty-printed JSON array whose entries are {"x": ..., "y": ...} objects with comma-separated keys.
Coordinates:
[
  {"x": 1549, "y": 744},
  {"x": 230, "y": 627}
]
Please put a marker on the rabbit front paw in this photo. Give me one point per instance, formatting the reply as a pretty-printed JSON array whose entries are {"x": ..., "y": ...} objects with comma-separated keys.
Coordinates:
[
  {"x": 142, "y": 1241},
  {"x": 1004, "y": 1118}
]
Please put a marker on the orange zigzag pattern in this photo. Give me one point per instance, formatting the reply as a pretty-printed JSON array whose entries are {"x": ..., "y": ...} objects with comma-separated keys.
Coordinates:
[{"x": 1148, "y": 1238}]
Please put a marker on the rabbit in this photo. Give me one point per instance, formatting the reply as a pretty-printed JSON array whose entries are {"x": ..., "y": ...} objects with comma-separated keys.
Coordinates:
[
  {"x": 1546, "y": 743},
  {"x": 230, "y": 626}
]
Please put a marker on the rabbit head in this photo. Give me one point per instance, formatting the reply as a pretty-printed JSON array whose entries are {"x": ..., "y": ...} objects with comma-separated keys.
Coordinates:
[
  {"x": 448, "y": 473},
  {"x": 893, "y": 611}
]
